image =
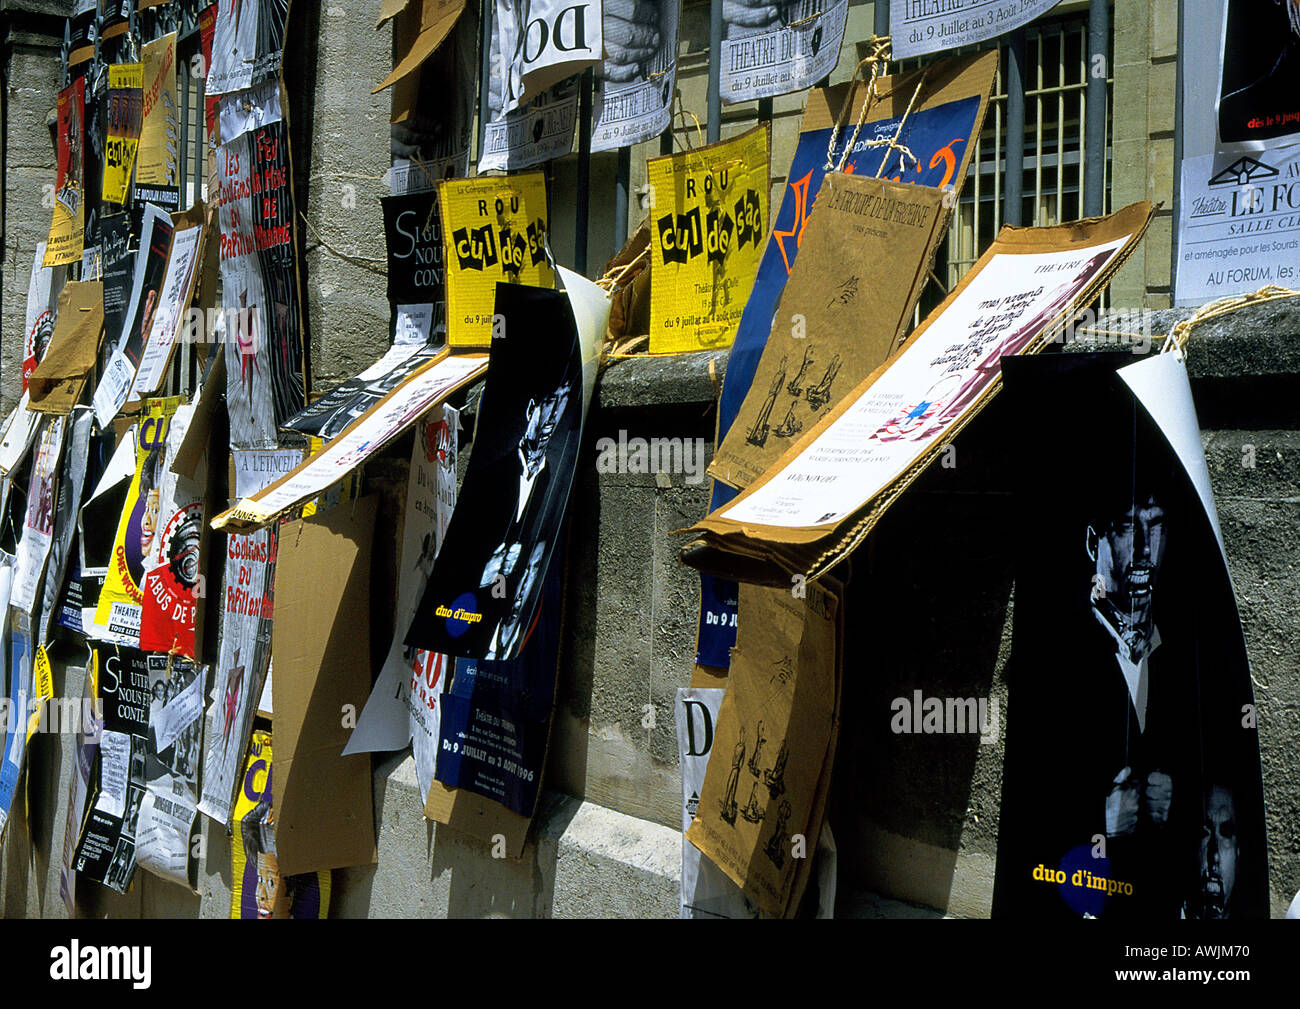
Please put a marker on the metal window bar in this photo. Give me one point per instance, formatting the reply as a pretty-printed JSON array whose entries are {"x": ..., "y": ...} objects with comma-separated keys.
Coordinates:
[{"x": 1056, "y": 123}]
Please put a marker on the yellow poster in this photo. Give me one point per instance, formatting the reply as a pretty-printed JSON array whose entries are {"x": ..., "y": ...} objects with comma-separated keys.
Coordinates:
[
  {"x": 494, "y": 230},
  {"x": 122, "y": 599},
  {"x": 160, "y": 130},
  {"x": 125, "y": 112},
  {"x": 68, "y": 223},
  {"x": 708, "y": 220},
  {"x": 257, "y": 889}
]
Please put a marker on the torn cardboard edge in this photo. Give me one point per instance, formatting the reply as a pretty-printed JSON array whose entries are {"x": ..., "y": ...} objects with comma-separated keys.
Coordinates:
[
  {"x": 771, "y": 555},
  {"x": 249, "y": 514},
  {"x": 56, "y": 385},
  {"x": 436, "y": 20}
]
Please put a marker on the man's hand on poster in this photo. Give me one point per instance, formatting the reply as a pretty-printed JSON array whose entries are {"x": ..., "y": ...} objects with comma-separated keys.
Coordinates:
[
  {"x": 1159, "y": 791},
  {"x": 1122, "y": 805},
  {"x": 750, "y": 13},
  {"x": 631, "y": 31}
]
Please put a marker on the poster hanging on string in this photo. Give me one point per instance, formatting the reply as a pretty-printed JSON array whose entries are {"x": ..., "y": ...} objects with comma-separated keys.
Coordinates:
[
  {"x": 770, "y": 50},
  {"x": 632, "y": 101},
  {"x": 917, "y": 29}
]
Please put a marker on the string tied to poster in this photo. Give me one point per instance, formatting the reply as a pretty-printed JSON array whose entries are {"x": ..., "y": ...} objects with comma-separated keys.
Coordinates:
[
  {"x": 878, "y": 54},
  {"x": 1182, "y": 330}
]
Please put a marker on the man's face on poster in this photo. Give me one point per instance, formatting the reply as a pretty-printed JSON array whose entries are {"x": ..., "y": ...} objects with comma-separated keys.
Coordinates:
[
  {"x": 1218, "y": 853},
  {"x": 1129, "y": 553}
]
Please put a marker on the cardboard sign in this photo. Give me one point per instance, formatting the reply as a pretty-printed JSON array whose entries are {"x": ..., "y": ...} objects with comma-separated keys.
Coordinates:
[
  {"x": 864, "y": 262},
  {"x": 764, "y": 793},
  {"x": 936, "y": 114},
  {"x": 494, "y": 231},
  {"x": 829, "y": 489},
  {"x": 321, "y": 640},
  {"x": 707, "y": 225},
  {"x": 67, "y": 225},
  {"x": 436, "y": 19},
  {"x": 57, "y": 383}
]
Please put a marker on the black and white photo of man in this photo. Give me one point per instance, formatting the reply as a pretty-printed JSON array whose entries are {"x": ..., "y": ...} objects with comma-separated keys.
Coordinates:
[{"x": 1219, "y": 851}]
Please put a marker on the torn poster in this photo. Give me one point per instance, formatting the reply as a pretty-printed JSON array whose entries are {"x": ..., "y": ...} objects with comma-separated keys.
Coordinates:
[
  {"x": 247, "y": 44},
  {"x": 543, "y": 42},
  {"x": 245, "y": 649}
]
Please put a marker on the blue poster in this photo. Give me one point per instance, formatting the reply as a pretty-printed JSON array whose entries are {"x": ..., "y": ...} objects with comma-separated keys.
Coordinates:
[{"x": 938, "y": 138}]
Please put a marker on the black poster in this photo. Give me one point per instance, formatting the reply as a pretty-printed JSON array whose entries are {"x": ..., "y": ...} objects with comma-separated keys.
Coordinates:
[
  {"x": 1132, "y": 783},
  {"x": 487, "y": 578},
  {"x": 343, "y": 404},
  {"x": 1259, "y": 90},
  {"x": 413, "y": 232},
  {"x": 119, "y": 267},
  {"x": 496, "y": 716}
]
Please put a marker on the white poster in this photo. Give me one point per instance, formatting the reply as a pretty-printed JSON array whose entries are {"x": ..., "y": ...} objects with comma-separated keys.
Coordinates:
[
  {"x": 543, "y": 42},
  {"x": 38, "y": 523},
  {"x": 918, "y": 27},
  {"x": 707, "y": 892},
  {"x": 247, "y": 44},
  {"x": 633, "y": 97},
  {"x": 16, "y": 439},
  {"x": 774, "y": 49},
  {"x": 928, "y": 386},
  {"x": 537, "y": 132},
  {"x": 403, "y": 706},
  {"x": 245, "y": 649}
]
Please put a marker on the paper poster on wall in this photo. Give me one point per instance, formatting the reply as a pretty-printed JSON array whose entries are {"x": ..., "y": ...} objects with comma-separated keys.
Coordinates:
[
  {"x": 125, "y": 121},
  {"x": 1238, "y": 227},
  {"x": 770, "y": 50},
  {"x": 362, "y": 438},
  {"x": 257, "y": 889},
  {"x": 106, "y": 850},
  {"x": 265, "y": 384},
  {"x": 706, "y": 890},
  {"x": 157, "y": 170},
  {"x": 417, "y": 280},
  {"x": 536, "y": 132},
  {"x": 67, "y": 225},
  {"x": 247, "y": 44},
  {"x": 117, "y": 614},
  {"x": 1122, "y": 585},
  {"x": 245, "y": 648},
  {"x": 403, "y": 706},
  {"x": 170, "y": 307},
  {"x": 543, "y": 42},
  {"x": 71, "y": 484},
  {"x": 633, "y": 95},
  {"x": 708, "y": 222},
  {"x": 85, "y": 753},
  {"x": 146, "y": 282},
  {"x": 917, "y": 29},
  {"x": 169, "y": 810},
  {"x": 18, "y": 647},
  {"x": 486, "y": 581},
  {"x": 496, "y": 716},
  {"x": 494, "y": 231},
  {"x": 172, "y": 577},
  {"x": 37, "y": 531},
  {"x": 328, "y": 416},
  {"x": 42, "y": 299}
]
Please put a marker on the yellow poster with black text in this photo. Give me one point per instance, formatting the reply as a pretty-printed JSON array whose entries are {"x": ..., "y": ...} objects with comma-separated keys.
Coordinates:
[
  {"x": 117, "y": 617},
  {"x": 125, "y": 112},
  {"x": 708, "y": 220},
  {"x": 157, "y": 171},
  {"x": 494, "y": 230}
]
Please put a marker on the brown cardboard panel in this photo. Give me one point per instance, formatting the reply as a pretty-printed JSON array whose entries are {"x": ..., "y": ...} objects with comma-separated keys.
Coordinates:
[
  {"x": 864, "y": 261},
  {"x": 477, "y": 816},
  {"x": 437, "y": 18},
  {"x": 58, "y": 381},
  {"x": 320, "y": 648}
]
